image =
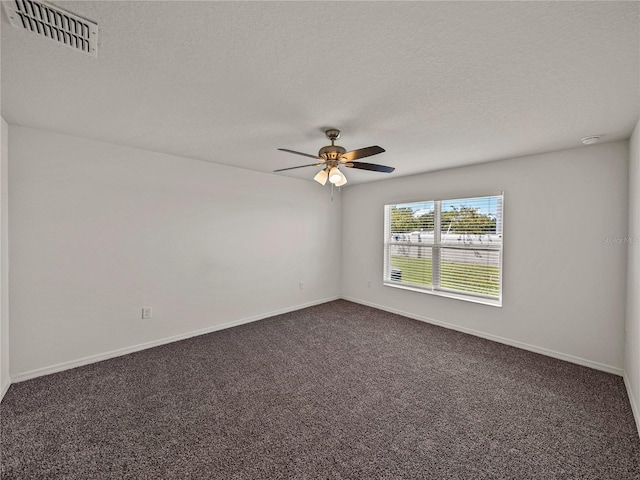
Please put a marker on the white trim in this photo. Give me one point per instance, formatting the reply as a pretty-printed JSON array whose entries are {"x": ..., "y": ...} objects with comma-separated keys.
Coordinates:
[
  {"x": 4, "y": 389},
  {"x": 632, "y": 401},
  {"x": 143, "y": 346},
  {"x": 39, "y": 372},
  {"x": 514, "y": 343}
]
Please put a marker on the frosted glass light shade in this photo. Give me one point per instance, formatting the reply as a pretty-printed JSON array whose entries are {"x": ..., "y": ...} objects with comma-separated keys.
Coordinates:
[
  {"x": 321, "y": 177},
  {"x": 335, "y": 175},
  {"x": 342, "y": 181}
]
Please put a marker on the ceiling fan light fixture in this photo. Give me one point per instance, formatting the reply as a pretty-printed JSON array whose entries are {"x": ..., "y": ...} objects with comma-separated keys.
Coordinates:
[
  {"x": 331, "y": 157},
  {"x": 321, "y": 177}
]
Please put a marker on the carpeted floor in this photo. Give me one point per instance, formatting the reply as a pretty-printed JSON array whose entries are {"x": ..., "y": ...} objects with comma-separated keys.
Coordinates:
[{"x": 333, "y": 391}]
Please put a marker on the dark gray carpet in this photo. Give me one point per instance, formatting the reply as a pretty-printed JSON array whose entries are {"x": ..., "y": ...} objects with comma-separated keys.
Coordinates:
[{"x": 334, "y": 391}]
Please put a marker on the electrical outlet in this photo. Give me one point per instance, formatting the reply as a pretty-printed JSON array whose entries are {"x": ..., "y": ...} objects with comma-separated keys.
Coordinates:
[
  {"x": 146, "y": 312},
  {"x": 301, "y": 285}
]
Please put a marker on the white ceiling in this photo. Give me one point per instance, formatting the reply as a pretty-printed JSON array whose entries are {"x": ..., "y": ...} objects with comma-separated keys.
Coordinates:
[{"x": 437, "y": 84}]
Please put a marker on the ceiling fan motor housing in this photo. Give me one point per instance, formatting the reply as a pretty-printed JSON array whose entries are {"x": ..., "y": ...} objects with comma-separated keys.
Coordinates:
[{"x": 331, "y": 152}]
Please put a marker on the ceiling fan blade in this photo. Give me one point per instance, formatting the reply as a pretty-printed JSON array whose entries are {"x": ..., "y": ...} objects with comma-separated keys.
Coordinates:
[
  {"x": 300, "y": 153},
  {"x": 361, "y": 153},
  {"x": 370, "y": 166},
  {"x": 300, "y": 166}
]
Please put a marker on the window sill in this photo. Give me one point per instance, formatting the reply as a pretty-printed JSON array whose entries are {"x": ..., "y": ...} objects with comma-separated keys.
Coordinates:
[{"x": 442, "y": 293}]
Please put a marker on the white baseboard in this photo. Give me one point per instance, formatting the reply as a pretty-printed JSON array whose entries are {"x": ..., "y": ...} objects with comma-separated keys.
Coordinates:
[
  {"x": 4, "y": 389},
  {"x": 632, "y": 401},
  {"x": 514, "y": 343},
  {"x": 19, "y": 377},
  {"x": 39, "y": 372}
]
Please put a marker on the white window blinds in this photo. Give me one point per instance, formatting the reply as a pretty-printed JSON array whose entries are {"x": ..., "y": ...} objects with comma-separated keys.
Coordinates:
[{"x": 449, "y": 247}]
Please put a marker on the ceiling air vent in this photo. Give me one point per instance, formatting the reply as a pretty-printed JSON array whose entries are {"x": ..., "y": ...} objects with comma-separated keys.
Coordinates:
[{"x": 55, "y": 24}]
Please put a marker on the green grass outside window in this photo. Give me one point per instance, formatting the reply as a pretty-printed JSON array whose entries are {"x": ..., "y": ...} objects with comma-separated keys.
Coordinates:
[{"x": 485, "y": 279}]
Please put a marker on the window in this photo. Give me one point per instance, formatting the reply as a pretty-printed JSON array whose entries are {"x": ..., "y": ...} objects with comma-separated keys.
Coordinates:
[{"x": 446, "y": 247}]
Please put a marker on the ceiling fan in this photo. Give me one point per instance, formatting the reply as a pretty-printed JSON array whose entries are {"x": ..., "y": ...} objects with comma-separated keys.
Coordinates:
[{"x": 332, "y": 157}]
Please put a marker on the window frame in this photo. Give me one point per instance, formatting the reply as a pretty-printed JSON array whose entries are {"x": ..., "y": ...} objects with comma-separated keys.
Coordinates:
[{"x": 436, "y": 247}]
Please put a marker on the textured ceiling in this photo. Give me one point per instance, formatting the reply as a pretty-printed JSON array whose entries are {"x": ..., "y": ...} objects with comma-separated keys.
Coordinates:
[{"x": 437, "y": 84}]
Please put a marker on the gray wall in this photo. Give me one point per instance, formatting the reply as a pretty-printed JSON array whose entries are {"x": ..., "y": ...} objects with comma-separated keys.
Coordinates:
[
  {"x": 564, "y": 266},
  {"x": 632, "y": 334},
  {"x": 99, "y": 231},
  {"x": 4, "y": 263}
]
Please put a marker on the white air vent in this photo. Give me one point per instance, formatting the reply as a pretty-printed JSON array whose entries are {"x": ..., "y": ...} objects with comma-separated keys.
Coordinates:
[{"x": 54, "y": 23}]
